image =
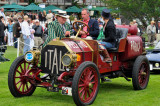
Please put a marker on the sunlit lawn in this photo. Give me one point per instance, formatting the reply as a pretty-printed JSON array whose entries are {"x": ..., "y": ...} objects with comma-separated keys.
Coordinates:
[{"x": 117, "y": 92}]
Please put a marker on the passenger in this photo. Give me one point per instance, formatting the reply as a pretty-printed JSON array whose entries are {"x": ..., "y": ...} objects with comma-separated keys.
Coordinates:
[
  {"x": 92, "y": 23},
  {"x": 109, "y": 32},
  {"x": 58, "y": 28}
]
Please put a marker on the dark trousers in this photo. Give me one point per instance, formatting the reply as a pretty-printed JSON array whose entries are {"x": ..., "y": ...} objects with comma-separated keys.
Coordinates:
[
  {"x": 15, "y": 44},
  {"x": 2, "y": 42}
]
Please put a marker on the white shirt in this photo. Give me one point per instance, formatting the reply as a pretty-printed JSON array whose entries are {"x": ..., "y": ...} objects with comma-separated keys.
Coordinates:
[
  {"x": 26, "y": 28},
  {"x": 2, "y": 14}
]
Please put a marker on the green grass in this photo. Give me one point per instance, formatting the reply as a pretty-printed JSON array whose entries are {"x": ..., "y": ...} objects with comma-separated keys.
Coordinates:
[{"x": 118, "y": 92}]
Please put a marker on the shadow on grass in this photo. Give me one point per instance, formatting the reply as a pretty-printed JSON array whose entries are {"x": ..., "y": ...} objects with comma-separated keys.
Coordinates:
[
  {"x": 115, "y": 87},
  {"x": 157, "y": 72},
  {"x": 42, "y": 93}
]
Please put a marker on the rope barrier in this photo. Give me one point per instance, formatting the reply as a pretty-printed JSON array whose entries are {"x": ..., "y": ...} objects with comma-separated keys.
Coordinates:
[{"x": 18, "y": 45}]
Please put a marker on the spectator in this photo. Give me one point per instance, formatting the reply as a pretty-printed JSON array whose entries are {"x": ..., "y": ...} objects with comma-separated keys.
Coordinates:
[
  {"x": 40, "y": 16},
  {"x": 26, "y": 34},
  {"x": 93, "y": 25},
  {"x": 58, "y": 28},
  {"x": 135, "y": 23},
  {"x": 45, "y": 34},
  {"x": 44, "y": 16},
  {"x": 30, "y": 22},
  {"x": 2, "y": 28},
  {"x": 151, "y": 31},
  {"x": 10, "y": 32},
  {"x": 49, "y": 17},
  {"x": 158, "y": 32},
  {"x": 33, "y": 16},
  {"x": 17, "y": 32},
  {"x": 131, "y": 23},
  {"x": 38, "y": 33},
  {"x": 2, "y": 14}
]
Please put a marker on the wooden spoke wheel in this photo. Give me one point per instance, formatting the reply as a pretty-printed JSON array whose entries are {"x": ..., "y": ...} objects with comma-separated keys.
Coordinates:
[
  {"x": 18, "y": 82},
  {"x": 140, "y": 73},
  {"x": 85, "y": 84}
]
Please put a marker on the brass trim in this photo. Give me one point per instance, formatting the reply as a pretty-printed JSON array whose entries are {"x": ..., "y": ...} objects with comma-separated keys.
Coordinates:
[
  {"x": 60, "y": 43},
  {"x": 73, "y": 58},
  {"x": 78, "y": 32},
  {"x": 36, "y": 55},
  {"x": 86, "y": 44}
]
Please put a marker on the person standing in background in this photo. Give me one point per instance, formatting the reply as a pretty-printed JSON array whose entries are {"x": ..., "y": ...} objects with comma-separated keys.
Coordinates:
[
  {"x": 2, "y": 28},
  {"x": 26, "y": 34},
  {"x": 17, "y": 32},
  {"x": 2, "y": 14},
  {"x": 10, "y": 33},
  {"x": 38, "y": 33},
  {"x": 135, "y": 23},
  {"x": 151, "y": 31},
  {"x": 40, "y": 16},
  {"x": 49, "y": 17},
  {"x": 158, "y": 32},
  {"x": 44, "y": 16}
]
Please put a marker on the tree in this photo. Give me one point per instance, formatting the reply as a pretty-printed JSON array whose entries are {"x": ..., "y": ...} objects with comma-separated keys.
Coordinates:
[
  {"x": 144, "y": 10},
  {"x": 31, "y": 1},
  {"x": 75, "y": 3}
]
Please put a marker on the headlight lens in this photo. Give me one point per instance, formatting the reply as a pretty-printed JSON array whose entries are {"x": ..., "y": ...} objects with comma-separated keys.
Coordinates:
[
  {"x": 157, "y": 64},
  {"x": 29, "y": 57},
  {"x": 66, "y": 60}
]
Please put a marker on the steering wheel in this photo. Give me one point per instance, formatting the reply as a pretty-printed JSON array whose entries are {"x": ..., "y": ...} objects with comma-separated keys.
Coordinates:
[{"x": 79, "y": 25}]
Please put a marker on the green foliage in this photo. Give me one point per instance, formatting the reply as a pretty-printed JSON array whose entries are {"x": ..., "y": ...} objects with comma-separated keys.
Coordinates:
[
  {"x": 71, "y": 17},
  {"x": 75, "y": 3},
  {"x": 141, "y": 9},
  {"x": 31, "y": 1}
]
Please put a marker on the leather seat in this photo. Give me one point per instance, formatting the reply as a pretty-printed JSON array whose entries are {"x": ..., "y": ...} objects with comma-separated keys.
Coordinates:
[{"x": 121, "y": 33}]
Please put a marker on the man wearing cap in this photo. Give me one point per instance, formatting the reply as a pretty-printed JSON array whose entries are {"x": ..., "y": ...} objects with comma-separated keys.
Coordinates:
[
  {"x": 151, "y": 31},
  {"x": 58, "y": 28},
  {"x": 26, "y": 34},
  {"x": 93, "y": 25},
  {"x": 38, "y": 33}
]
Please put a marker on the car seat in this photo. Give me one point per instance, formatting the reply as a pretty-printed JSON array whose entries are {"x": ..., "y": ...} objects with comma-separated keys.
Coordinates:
[{"x": 121, "y": 34}]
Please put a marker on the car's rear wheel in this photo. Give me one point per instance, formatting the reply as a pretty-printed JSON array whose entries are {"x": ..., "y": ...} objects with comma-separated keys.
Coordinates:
[
  {"x": 85, "y": 84},
  {"x": 140, "y": 73},
  {"x": 18, "y": 83}
]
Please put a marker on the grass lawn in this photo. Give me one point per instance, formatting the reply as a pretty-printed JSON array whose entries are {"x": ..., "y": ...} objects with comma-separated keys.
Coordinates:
[{"x": 118, "y": 92}]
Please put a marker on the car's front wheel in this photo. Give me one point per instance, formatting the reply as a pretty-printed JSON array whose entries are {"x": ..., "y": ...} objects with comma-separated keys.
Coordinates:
[
  {"x": 85, "y": 84},
  {"x": 18, "y": 83}
]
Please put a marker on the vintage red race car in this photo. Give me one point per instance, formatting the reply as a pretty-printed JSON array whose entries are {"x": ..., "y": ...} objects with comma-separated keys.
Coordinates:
[{"x": 75, "y": 66}]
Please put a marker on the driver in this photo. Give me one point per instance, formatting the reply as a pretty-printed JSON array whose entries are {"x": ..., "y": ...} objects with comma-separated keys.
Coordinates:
[
  {"x": 93, "y": 25},
  {"x": 110, "y": 32},
  {"x": 58, "y": 28}
]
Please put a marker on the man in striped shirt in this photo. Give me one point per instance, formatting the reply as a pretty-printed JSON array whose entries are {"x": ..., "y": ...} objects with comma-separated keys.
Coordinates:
[{"x": 58, "y": 28}]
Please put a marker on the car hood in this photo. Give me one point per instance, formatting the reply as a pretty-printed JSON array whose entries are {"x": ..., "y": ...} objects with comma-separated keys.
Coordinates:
[{"x": 153, "y": 57}]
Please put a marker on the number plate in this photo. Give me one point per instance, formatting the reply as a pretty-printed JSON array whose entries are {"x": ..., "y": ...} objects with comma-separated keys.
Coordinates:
[
  {"x": 151, "y": 67},
  {"x": 67, "y": 91}
]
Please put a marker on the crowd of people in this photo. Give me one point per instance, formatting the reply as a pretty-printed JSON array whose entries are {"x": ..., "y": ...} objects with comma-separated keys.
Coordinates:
[{"x": 33, "y": 29}]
